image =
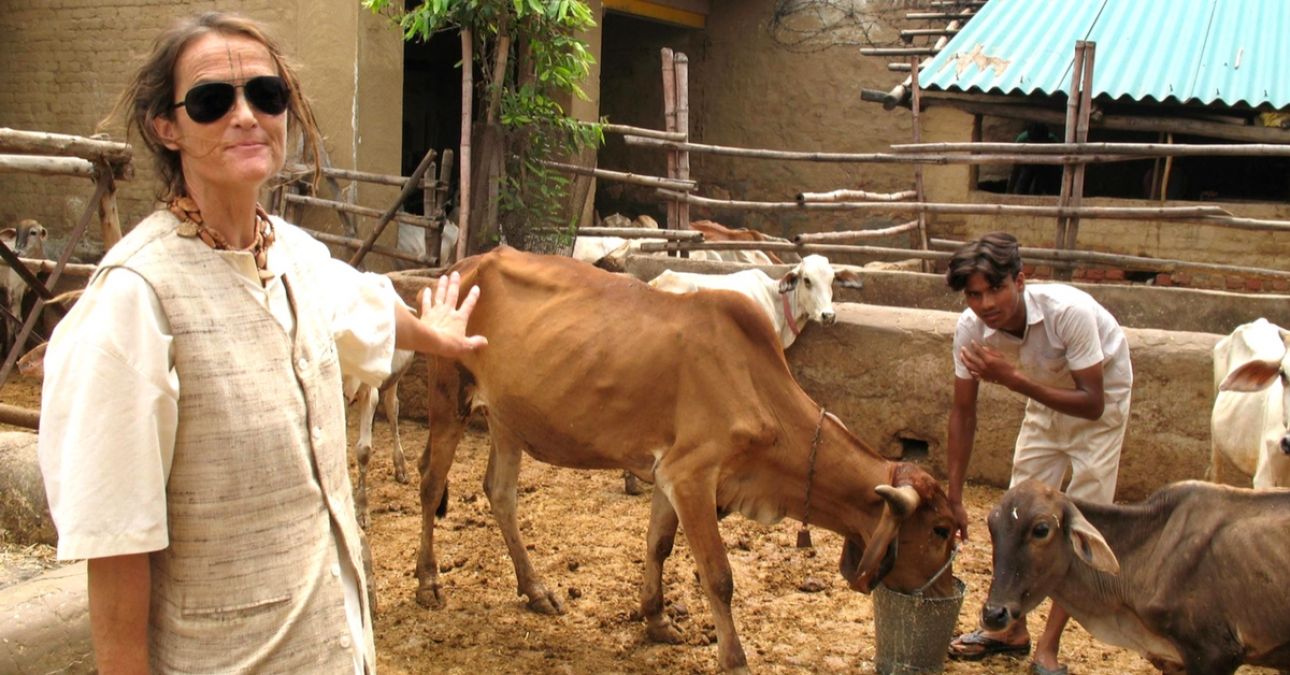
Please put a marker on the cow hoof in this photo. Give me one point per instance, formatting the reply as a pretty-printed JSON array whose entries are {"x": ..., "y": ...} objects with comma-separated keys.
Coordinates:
[
  {"x": 431, "y": 598},
  {"x": 663, "y": 632},
  {"x": 401, "y": 476},
  {"x": 632, "y": 484},
  {"x": 546, "y": 603},
  {"x": 361, "y": 516}
]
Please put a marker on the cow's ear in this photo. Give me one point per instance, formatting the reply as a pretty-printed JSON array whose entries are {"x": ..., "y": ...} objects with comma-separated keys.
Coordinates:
[
  {"x": 788, "y": 282},
  {"x": 1088, "y": 543},
  {"x": 847, "y": 278},
  {"x": 9, "y": 235},
  {"x": 1252, "y": 376}
]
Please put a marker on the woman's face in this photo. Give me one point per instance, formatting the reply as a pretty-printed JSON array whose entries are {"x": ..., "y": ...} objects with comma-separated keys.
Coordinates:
[{"x": 245, "y": 146}]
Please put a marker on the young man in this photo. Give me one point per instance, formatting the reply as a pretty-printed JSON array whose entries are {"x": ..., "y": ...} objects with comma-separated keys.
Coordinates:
[{"x": 1058, "y": 347}]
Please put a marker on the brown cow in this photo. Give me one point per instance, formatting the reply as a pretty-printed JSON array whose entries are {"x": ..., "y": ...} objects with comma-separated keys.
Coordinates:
[
  {"x": 593, "y": 370},
  {"x": 1193, "y": 577}
]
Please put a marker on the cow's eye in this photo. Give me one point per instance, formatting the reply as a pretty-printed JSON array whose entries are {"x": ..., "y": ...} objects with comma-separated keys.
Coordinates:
[
  {"x": 942, "y": 532},
  {"x": 1041, "y": 531},
  {"x": 808, "y": 283}
]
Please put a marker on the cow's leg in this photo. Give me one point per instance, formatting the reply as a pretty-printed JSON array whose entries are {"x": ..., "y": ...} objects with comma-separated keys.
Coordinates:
[
  {"x": 447, "y": 424},
  {"x": 500, "y": 485},
  {"x": 694, "y": 498},
  {"x": 658, "y": 546},
  {"x": 363, "y": 449},
  {"x": 390, "y": 397}
]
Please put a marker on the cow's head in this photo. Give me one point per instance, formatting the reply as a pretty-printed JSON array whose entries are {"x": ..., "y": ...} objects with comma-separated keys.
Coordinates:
[
  {"x": 912, "y": 542},
  {"x": 1038, "y": 534},
  {"x": 27, "y": 239},
  {"x": 811, "y": 283},
  {"x": 1259, "y": 374}
]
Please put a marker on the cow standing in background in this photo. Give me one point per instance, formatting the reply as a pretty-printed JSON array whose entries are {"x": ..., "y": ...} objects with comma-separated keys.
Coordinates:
[
  {"x": 27, "y": 240},
  {"x": 586, "y": 369},
  {"x": 1192, "y": 578},
  {"x": 1251, "y": 413},
  {"x": 804, "y": 293},
  {"x": 365, "y": 395}
]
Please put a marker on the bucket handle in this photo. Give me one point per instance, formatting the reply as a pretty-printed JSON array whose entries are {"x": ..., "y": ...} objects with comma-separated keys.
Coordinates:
[{"x": 954, "y": 552}]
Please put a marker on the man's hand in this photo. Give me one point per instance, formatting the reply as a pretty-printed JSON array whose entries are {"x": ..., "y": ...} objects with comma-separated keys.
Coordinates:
[
  {"x": 960, "y": 518},
  {"x": 987, "y": 364},
  {"x": 440, "y": 313}
]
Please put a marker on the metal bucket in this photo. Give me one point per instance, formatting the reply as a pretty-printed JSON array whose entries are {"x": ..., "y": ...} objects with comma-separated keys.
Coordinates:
[{"x": 913, "y": 632}]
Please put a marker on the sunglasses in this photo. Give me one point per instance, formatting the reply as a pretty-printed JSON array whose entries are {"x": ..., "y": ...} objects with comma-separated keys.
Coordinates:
[{"x": 210, "y": 101}]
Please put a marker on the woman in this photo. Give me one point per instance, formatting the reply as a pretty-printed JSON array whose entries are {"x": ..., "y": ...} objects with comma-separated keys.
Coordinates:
[{"x": 194, "y": 444}]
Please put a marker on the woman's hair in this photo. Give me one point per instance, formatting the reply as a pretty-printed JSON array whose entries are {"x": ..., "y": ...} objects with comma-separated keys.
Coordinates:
[
  {"x": 151, "y": 93},
  {"x": 996, "y": 255}
]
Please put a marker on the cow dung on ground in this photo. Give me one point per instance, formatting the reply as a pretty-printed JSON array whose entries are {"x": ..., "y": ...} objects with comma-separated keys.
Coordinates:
[{"x": 589, "y": 536}]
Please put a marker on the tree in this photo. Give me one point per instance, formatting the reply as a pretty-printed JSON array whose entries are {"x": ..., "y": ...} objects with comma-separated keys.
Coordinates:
[{"x": 528, "y": 53}]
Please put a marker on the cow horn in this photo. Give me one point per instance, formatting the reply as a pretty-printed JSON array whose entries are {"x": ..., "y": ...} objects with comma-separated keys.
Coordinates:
[
  {"x": 904, "y": 500},
  {"x": 900, "y": 502}
]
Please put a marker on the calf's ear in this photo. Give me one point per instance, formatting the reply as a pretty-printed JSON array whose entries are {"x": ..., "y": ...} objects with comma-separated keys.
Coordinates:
[
  {"x": 788, "y": 282},
  {"x": 1088, "y": 543},
  {"x": 1252, "y": 376},
  {"x": 847, "y": 278}
]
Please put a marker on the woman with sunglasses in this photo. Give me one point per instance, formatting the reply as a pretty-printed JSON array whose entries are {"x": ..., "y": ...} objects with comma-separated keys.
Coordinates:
[{"x": 193, "y": 444}]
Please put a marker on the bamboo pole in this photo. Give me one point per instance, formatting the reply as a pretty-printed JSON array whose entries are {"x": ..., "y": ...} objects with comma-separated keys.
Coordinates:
[
  {"x": 65, "y": 145},
  {"x": 357, "y": 210},
  {"x": 898, "y": 51},
  {"x": 804, "y": 249},
  {"x": 868, "y": 157},
  {"x": 669, "y": 123},
  {"x": 347, "y": 174},
  {"x": 19, "y": 417},
  {"x": 413, "y": 181},
  {"x": 1081, "y": 136},
  {"x": 467, "y": 106},
  {"x": 928, "y": 16},
  {"x": 643, "y": 132},
  {"x": 682, "y": 64},
  {"x": 1130, "y": 262},
  {"x": 640, "y": 233},
  {"x": 500, "y": 57},
  {"x": 854, "y": 235},
  {"x": 1137, "y": 150},
  {"x": 633, "y": 178},
  {"x": 1256, "y": 224},
  {"x": 856, "y": 196},
  {"x": 921, "y": 222},
  {"x": 434, "y": 235},
  {"x": 47, "y": 166},
  {"x": 109, "y": 218},
  {"x": 1169, "y": 167},
  {"x": 70, "y": 269},
  {"x": 1119, "y": 212},
  {"x": 350, "y": 242},
  {"x": 1068, "y": 171}
]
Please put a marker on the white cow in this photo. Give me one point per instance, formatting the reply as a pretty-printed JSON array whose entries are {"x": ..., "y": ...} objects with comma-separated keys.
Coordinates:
[
  {"x": 1252, "y": 405},
  {"x": 366, "y": 395},
  {"x": 28, "y": 241},
  {"x": 804, "y": 294}
]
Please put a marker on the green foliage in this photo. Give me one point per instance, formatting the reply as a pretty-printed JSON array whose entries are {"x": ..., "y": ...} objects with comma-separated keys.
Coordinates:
[{"x": 551, "y": 60}]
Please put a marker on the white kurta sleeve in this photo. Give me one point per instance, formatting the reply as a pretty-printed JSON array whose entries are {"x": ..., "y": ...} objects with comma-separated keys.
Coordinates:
[
  {"x": 1077, "y": 326},
  {"x": 109, "y": 414},
  {"x": 964, "y": 333},
  {"x": 363, "y": 324}
]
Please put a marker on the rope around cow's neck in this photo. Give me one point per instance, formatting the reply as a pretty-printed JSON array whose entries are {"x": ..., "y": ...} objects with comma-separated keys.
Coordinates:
[
  {"x": 788, "y": 315},
  {"x": 804, "y": 534}
]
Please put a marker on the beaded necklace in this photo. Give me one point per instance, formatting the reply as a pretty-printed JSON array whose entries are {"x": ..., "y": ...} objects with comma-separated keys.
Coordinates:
[{"x": 191, "y": 225}]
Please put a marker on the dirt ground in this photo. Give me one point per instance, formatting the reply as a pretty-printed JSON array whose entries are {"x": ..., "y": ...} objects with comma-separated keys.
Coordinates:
[{"x": 587, "y": 538}]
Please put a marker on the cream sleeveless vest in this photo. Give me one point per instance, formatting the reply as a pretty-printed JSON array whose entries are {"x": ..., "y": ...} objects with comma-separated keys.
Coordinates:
[{"x": 259, "y": 478}]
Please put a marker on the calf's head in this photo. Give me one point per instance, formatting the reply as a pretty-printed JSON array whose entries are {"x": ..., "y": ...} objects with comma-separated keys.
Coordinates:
[
  {"x": 27, "y": 239},
  {"x": 811, "y": 283},
  {"x": 1038, "y": 534},
  {"x": 1259, "y": 374},
  {"x": 912, "y": 542}
]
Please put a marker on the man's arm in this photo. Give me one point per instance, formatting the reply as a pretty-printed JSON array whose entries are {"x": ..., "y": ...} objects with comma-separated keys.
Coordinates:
[
  {"x": 1087, "y": 400},
  {"x": 119, "y": 596},
  {"x": 962, "y": 435}
]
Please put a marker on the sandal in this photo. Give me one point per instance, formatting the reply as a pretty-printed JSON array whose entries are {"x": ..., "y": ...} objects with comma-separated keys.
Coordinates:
[{"x": 977, "y": 645}]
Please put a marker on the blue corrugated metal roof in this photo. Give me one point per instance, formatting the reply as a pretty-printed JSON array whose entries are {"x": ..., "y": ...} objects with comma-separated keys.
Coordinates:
[{"x": 1226, "y": 52}]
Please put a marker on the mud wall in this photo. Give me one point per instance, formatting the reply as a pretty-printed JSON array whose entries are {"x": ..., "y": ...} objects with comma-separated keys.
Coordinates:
[{"x": 65, "y": 63}]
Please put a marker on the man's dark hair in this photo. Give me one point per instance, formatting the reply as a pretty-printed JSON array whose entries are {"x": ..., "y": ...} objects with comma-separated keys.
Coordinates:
[{"x": 996, "y": 255}]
